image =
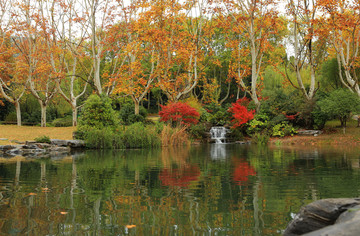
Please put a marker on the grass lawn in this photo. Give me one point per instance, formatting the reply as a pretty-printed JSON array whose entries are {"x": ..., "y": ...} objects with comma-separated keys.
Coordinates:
[{"x": 24, "y": 133}]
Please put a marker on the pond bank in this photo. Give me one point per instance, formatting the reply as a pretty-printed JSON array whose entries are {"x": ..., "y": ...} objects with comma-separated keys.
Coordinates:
[
  {"x": 34, "y": 149},
  {"x": 333, "y": 139}
]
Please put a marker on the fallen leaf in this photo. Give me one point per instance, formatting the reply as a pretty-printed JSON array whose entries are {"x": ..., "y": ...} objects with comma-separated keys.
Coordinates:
[
  {"x": 64, "y": 212},
  {"x": 32, "y": 194},
  {"x": 130, "y": 226}
]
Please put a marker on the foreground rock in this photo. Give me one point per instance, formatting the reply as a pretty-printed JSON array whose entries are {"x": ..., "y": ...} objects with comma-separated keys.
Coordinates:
[
  {"x": 327, "y": 217},
  {"x": 39, "y": 150}
]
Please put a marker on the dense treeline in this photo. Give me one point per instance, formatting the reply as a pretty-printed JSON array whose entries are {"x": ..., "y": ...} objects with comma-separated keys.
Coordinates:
[{"x": 296, "y": 61}]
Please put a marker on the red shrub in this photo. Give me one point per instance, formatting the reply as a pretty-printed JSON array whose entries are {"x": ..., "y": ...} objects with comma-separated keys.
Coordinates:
[
  {"x": 180, "y": 113},
  {"x": 241, "y": 115}
]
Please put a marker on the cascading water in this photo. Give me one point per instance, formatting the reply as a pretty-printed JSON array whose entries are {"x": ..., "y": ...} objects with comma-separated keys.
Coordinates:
[{"x": 218, "y": 133}]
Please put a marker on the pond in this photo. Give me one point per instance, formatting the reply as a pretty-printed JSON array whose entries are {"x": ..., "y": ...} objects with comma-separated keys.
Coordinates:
[{"x": 215, "y": 189}]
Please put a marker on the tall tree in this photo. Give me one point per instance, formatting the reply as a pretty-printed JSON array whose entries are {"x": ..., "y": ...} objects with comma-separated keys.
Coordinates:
[
  {"x": 66, "y": 52},
  {"x": 342, "y": 25},
  {"x": 12, "y": 83},
  {"x": 177, "y": 39},
  {"x": 303, "y": 15},
  {"x": 96, "y": 16},
  {"x": 133, "y": 61},
  {"x": 253, "y": 23},
  {"x": 29, "y": 32}
]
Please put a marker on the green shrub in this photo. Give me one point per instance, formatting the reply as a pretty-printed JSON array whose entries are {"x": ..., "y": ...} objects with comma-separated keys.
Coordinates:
[
  {"x": 198, "y": 131},
  {"x": 259, "y": 123},
  {"x": 139, "y": 136},
  {"x": 216, "y": 114},
  {"x": 283, "y": 129},
  {"x": 339, "y": 104},
  {"x": 43, "y": 139},
  {"x": 98, "y": 114},
  {"x": 236, "y": 134},
  {"x": 11, "y": 117},
  {"x": 261, "y": 138},
  {"x": 99, "y": 138},
  {"x": 127, "y": 114},
  {"x": 159, "y": 126},
  {"x": 277, "y": 120},
  {"x": 62, "y": 122},
  {"x": 119, "y": 140},
  {"x": 133, "y": 136}
]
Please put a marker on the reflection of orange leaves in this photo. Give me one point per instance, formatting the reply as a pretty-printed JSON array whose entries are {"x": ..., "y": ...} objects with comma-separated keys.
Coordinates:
[
  {"x": 45, "y": 190},
  {"x": 179, "y": 177},
  {"x": 242, "y": 171},
  {"x": 130, "y": 226},
  {"x": 64, "y": 212},
  {"x": 32, "y": 194}
]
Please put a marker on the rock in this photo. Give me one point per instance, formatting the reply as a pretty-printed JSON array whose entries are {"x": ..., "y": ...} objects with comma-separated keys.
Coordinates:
[
  {"x": 37, "y": 150},
  {"x": 43, "y": 145},
  {"x": 309, "y": 132},
  {"x": 59, "y": 142},
  {"x": 70, "y": 143},
  {"x": 325, "y": 216},
  {"x": 6, "y": 147},
  {"x": 14, "y": 152},
  {"x": 76, "y": 143},
  {"x": 347, "y": 224},
  {"x": 30, "y": 146},
  {"x": 243, "y": 142},
  {"x": 31, "y": 152},
  {"x": 30, "y": 142}
]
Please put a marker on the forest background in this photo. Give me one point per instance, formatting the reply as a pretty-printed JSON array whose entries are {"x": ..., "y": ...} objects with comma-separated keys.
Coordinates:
[{"x": 261, "y": 66}]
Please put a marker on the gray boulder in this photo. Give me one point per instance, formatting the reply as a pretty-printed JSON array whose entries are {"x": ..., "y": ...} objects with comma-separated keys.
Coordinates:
[{"x": 327, "y": 217}]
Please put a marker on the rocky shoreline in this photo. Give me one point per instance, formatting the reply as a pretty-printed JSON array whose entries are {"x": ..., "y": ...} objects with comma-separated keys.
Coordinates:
[
  {"x": 34, "y": 149},
  {"x": 330, "y": 217}
]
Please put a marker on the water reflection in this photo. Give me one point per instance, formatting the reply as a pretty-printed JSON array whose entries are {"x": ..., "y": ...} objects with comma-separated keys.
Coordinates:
[
  {"x": 218, "y": 151},
  {"x": 251, "y": 191}
]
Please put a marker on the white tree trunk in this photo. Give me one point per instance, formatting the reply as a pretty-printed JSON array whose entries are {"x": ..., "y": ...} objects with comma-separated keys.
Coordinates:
[
  {"x": 43, "y": 113},
  {"x": 18, "y": 112}
]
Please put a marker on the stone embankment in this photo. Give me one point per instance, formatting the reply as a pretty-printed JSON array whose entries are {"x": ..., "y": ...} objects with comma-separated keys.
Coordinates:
[
  {"x": 39, "y": 150},
  {"x": 330, "y": 217}
]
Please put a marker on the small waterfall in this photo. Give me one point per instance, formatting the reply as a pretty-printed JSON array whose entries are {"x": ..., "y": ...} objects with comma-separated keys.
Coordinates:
[{"x": 218, "y": 133}]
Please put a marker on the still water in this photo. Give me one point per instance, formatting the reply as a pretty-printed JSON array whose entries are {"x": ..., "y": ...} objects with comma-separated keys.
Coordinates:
[{"x": 206, "y": 190}]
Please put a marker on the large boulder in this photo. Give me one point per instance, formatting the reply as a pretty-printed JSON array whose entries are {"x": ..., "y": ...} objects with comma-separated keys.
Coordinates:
[{"x": 327, "y": 217}]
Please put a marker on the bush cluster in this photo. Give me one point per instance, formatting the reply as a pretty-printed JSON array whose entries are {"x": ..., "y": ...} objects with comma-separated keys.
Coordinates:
[
  {"x": 101, "y": 128},
  {"x": 133, "y": 136}
]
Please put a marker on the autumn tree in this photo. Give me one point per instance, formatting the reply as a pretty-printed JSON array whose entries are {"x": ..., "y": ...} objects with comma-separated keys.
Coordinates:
[
  {"x": 29, "y": 32},
  {"x": 253, "y": 24},
  {"x": 177, "y": 39},
  {"x": 306, "y": 43},
  {"x": 12, "y": 81},
  {"x": 95, "y": 17},
  {"x": 341, "y": 23},
  {"x": 66, "y": 52},
  {"x": 133, "y": 62}
]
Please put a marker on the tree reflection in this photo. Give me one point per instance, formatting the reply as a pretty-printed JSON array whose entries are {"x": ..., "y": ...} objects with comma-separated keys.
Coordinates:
[{"x": 170, "y": 191}]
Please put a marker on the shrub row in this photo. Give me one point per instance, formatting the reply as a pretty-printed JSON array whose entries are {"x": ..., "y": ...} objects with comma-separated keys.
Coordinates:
[{"x": 136, "y": 135}]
